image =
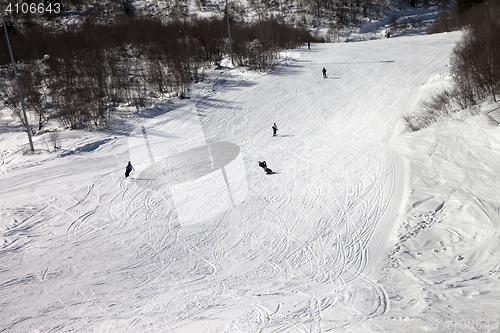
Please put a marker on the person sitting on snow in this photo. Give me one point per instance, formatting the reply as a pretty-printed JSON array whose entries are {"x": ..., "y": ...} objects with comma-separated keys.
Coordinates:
[{"x": 263, "y": 165}]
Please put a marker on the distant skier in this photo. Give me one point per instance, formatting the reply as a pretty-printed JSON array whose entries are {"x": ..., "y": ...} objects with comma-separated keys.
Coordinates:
[
  {"x": 324, "y": 72},
  {"x": 308, "y": 45},
  {"x": 128, "y": 169},
  {"x": 275, "y": 129},
  {"x": 263, "y": 165}
]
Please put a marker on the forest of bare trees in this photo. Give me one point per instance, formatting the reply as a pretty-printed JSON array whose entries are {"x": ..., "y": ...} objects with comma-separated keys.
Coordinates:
[
  {"x": 342, "y": 13},
  {"x": 80, "y": 74},
  {"x": 474, "y": 64},
  {"x": 123, "y": 55}
]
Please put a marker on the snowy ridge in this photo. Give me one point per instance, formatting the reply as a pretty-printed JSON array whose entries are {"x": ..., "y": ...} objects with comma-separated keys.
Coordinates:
[
  {"x": 451, "y": 237},
  {"x": 320, "y": 246}
]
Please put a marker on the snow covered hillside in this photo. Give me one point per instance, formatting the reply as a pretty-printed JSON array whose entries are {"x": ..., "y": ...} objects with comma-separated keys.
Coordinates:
[{"x": 361, "y": 228}]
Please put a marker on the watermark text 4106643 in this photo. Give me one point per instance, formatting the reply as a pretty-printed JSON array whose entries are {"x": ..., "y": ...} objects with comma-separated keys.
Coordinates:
[
  {"x": 449, "y": 325},
  {"x": 33, "y": 8}
]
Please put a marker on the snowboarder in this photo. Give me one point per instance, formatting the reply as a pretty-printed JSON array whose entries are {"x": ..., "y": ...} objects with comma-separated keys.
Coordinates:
[
  {"x": 324, "y": 72},
  {"x": 263, "y": 165},
  {"x": 128, "y": 169},
  {"x": 275, "y": 129}
]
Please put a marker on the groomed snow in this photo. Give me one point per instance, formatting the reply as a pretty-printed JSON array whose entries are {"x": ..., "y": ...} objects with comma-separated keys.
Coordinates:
[{"x": 361, "y": 228}]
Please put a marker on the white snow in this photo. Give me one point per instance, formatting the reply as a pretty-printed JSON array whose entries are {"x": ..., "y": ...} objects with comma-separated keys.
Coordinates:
[{"x": 361, "y": 229}]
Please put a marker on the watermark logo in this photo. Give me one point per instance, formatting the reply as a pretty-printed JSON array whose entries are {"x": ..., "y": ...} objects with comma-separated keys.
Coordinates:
[{"x": 200, "y": 179}]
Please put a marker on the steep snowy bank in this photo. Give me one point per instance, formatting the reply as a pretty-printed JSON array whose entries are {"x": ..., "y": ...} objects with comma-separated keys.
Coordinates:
[{"x": 449, "y": 244}]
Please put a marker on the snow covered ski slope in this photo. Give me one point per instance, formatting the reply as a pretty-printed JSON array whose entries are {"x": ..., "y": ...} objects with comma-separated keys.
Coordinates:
[{"x": 199, "y": 239}]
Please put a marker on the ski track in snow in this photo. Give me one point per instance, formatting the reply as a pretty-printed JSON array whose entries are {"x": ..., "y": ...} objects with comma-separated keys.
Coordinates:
[{"x": 85, "y": 249}]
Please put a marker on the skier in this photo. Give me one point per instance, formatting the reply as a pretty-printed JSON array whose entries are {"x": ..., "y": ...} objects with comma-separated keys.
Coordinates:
[
  {"x": 263, "y": 165},
  {"x": 324, "y": 72},
  {"x": 128, "y": 169},
  {"x": 275, "y": 129}
]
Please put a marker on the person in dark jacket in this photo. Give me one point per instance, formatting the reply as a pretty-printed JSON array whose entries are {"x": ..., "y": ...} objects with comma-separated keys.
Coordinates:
[
  {"x": 128, "y": 169},
  {"x": 324, "y": 72},
  {"x": 275, "y": 129},
  {"x": 263, "y": 165}
]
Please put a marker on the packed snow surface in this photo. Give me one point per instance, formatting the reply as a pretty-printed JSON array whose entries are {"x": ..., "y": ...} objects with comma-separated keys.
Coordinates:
[{"x": 200, "y": 239}]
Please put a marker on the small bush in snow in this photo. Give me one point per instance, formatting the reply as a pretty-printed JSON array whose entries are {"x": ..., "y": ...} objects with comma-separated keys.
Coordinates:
[{"x": 54, "y": 140}]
